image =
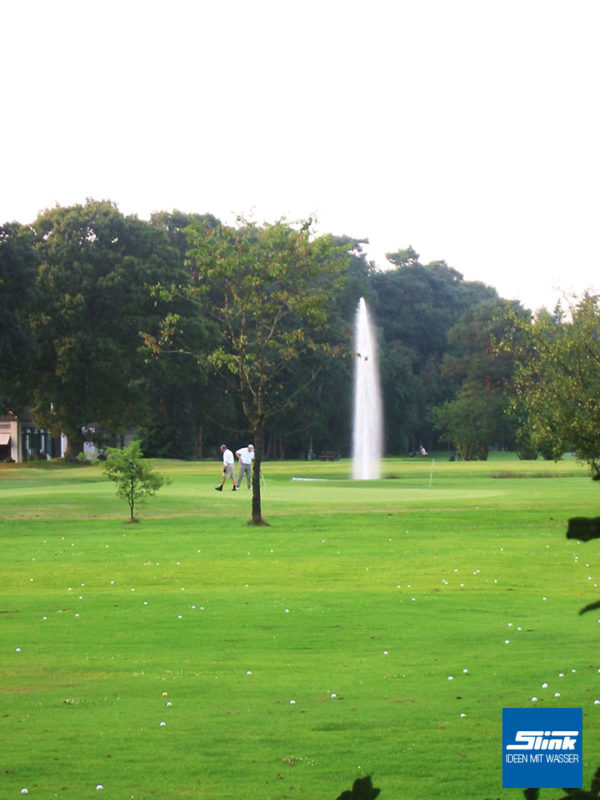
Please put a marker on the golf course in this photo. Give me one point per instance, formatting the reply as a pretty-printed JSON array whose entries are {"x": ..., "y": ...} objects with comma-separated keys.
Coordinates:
[{"x": 370, "y": 628}]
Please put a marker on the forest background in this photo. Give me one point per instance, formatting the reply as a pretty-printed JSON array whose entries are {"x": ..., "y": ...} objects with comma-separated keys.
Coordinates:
[{"x": 87, "y": 338}]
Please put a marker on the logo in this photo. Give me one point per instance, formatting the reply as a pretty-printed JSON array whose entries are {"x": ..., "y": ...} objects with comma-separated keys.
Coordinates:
[{"x": 542, "y": 748}]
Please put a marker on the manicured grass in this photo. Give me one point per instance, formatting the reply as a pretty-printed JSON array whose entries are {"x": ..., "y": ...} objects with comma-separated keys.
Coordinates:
[{"x": 372, "y": 628}]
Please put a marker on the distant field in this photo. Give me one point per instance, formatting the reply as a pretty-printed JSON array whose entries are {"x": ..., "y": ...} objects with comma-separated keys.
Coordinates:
[{"x": 373, "y": 628}]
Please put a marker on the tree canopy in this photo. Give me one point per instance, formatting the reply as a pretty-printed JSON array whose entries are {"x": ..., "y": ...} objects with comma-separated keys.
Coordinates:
[{"x": 192, "y": 332}]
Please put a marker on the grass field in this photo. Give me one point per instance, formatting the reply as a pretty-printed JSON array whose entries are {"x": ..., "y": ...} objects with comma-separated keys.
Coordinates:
[{"x": 372, "y": 628}]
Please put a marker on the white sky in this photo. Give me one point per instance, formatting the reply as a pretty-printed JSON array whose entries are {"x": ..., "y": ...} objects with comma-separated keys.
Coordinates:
[{"x": 469, "y": 129}]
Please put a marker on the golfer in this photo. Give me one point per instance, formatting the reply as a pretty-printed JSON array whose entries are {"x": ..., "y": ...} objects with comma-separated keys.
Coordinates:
[
  {"x": 228, "y": 468},
  {"x": 246, "y": 457}
]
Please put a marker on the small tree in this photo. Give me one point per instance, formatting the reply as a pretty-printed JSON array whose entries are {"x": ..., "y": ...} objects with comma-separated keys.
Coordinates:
[{"x": 133, "y": 475}]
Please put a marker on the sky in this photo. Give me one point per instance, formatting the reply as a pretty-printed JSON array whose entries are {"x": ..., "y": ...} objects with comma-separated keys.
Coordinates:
[{"x": 467, "y": 129}]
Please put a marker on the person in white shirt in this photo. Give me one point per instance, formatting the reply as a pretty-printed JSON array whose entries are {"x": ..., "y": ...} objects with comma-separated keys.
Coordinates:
[
  {"x": 246, "y": 457},
  {"x": 228, "y": 468}
]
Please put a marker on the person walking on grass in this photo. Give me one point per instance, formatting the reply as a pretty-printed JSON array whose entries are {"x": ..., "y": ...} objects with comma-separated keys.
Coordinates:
[
  {"x": 228, "y": 468},
  {"x": 246, "y": 457}
]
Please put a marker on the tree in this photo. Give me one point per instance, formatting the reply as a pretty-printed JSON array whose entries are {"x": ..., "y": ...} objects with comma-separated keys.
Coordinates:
[
  {"x": 318, "y": 415},
  {"x": 18, "y": 272},
  {"x": 416, "y": 305},
  {"x": 96, "y": 270},
  {"x": 270, "y": 290},
  {"x": 133, "y": 475},
  {"x": 558, "y": 378},
  {"x": 185, "y": 399},
  {"x": 479, "y": 414}
]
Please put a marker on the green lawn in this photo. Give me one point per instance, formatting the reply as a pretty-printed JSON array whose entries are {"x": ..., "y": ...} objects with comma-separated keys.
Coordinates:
[{"x": 373, "y": 628}]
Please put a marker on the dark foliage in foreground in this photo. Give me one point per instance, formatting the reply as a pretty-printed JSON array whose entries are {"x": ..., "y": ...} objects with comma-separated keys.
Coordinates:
[{"x": 362, "y": 789}]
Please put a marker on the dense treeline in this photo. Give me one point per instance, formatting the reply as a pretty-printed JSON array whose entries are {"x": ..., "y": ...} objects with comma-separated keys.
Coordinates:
[{"x": 89, "y": 336}]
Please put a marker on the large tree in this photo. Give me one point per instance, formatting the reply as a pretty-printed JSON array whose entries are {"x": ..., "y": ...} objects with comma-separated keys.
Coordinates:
[
  {"x": 270, "y": 289},
  {"x": 18, "y": 270},
  {"x": 415, "y": 306},
  {"x": 479, "y": 415},
  {"x": 185, "y": 400},
  {"x": 96, "y": 270},
  {"x": 558, "y": 379},
  {"x": 318, "y": 416}
]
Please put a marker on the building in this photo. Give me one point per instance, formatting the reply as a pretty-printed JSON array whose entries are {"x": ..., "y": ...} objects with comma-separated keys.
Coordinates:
[{"x": 22, "y": 440}]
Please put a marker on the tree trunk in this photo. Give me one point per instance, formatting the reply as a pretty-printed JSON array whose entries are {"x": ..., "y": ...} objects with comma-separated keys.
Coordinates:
[
  {"x": 74, "y": 447},
  {"x": 258, "y": 451},
  {"x": 198, "y": 440},
  {"x": 274, "y": 448}
]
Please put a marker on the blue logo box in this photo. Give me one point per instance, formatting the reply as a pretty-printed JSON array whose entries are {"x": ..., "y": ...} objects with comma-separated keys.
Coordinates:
[{"x": 542, "y": 748}]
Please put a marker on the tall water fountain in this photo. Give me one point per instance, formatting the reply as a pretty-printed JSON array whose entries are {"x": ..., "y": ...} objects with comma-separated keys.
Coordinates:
[{"x": 367, "y": 439}]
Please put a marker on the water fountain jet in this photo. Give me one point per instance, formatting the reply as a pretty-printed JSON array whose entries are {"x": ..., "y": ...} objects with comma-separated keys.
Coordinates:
[{"x": 367, "y": 439}]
